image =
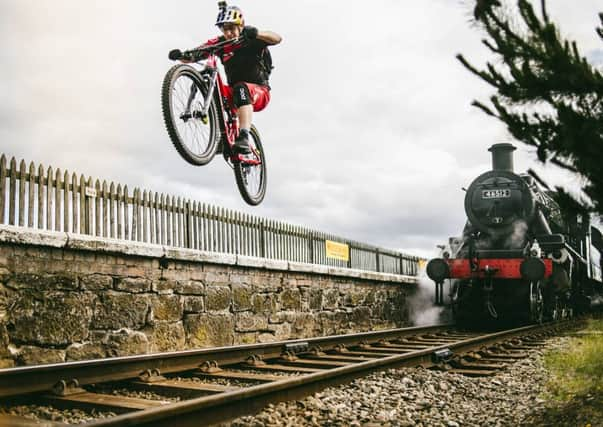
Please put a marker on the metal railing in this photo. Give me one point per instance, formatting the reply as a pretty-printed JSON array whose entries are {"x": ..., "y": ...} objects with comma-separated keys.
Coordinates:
[{"x": 49, "y": 199}]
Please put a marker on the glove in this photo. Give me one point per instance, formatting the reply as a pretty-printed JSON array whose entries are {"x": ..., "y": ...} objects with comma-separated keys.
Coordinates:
[
  {"x": 175, "y": 54},
  {"x": 249, "y": 32}
]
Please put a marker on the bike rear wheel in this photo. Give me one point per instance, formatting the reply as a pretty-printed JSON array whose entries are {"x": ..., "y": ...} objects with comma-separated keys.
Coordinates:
[
  {"x": 251, "y": 179},
  {"x": 193, "y": 134}
]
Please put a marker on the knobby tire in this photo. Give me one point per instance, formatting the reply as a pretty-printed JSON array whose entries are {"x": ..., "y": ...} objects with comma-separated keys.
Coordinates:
[
  {"x": 242, "y": 173},
  {"x": 196, "y": 128}
]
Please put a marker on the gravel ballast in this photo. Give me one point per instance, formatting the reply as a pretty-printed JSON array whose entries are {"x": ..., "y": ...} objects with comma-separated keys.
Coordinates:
[
  {"x": 397, "y": 397},
  {"x": 418, "y": 397}
]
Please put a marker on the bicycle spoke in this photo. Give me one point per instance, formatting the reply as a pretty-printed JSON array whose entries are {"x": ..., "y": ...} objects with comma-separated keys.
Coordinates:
[{"x": 194, "y": 133}]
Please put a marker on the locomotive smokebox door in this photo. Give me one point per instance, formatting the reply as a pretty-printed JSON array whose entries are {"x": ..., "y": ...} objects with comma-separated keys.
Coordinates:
[{"x": 499, "y": 202}]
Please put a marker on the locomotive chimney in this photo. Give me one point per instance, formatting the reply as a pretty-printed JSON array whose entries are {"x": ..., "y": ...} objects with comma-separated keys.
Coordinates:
[{"x": 502, "y": 157}]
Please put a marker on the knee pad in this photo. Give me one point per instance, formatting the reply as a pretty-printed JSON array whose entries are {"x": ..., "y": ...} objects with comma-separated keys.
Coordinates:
[{"x": 240, "y": 95}]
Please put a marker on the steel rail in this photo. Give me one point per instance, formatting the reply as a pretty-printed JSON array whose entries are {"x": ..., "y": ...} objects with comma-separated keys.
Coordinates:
[
  {"x": 32, "y": 379},
  {"x": 218, "y": 408}
]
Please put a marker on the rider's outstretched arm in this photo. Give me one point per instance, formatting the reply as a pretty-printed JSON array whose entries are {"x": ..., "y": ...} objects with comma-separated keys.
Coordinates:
[
  {"x": 208, "y": 43},
  {"x": 269, "y": 37}
]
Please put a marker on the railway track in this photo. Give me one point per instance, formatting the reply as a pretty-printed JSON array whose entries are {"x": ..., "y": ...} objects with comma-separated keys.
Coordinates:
[{"x": 201, "y": 387}]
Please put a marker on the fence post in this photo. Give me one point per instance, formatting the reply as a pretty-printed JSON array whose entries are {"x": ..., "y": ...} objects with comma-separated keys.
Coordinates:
[
  {"x": 90, "y": 200},
  {"x": 97, "y": 209},
  {"x": 188, "y": 226},
  {"x": 12, "y": 209},
  {"x": 377, "y": 263},
  {"x": 262, "y": 238},
  {"x": 32, "y": 191},
  {"x": 22, "y": 193},
  {"x": 2, "y": 187},
  {"x": 311, "y": 246},
  {"x": 58, "y": 199}
]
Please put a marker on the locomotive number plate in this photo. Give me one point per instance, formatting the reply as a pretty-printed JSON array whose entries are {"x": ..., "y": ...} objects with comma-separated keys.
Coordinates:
[{"x": 497, "y": 193}]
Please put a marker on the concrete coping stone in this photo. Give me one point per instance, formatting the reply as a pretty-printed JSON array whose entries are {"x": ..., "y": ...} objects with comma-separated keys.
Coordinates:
[
  {"x": 257, "y": 262},
  {"x": 55, "y": 239}
]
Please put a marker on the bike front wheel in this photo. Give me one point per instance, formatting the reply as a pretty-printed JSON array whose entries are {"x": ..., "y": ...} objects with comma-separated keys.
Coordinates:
[
  {"x": 250, "y": 174},
  {"x": 193, "y": 132}
]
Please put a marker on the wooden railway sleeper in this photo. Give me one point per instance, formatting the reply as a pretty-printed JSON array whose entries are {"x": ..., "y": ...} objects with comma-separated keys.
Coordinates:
[
  {"x": 464, "y": 370},
  {"x": 456, "y": 335},
  {"x": 437, "y": 337},
  {"x": 473, "y": 372},
  {"x": 445, "y": 361},
  {"x": 501, "y": 356},
  {"x": 465, "y": 362},
  {"x": 509, "y": 346},
  {"x": 525, "y": 342},
  {"x": 255, "y": 361},
  {"x": 500, "y": 348}
]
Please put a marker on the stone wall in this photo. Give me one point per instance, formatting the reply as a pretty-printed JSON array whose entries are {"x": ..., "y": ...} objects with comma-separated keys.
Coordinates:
[{"x": 72, "y": 297}]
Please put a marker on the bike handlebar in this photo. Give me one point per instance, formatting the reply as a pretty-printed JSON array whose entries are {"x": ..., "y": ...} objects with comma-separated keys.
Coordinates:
[{"x": 198, "y": 53}]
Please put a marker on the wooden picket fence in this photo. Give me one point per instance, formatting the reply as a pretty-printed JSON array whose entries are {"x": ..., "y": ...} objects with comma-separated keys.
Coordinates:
[{"x": 49, "y": 199}]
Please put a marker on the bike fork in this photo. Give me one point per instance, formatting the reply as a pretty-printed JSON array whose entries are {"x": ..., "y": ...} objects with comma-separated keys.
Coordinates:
[
  {"x": 212, "y": 72},
  {"x": 206, "y": 101}
]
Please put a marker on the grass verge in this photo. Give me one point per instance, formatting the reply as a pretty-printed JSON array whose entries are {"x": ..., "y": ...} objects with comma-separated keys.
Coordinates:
[{"x": 574, "y": 391}]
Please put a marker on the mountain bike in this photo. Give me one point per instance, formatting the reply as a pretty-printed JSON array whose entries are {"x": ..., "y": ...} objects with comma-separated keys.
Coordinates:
[{"x": 201, "y": 120}]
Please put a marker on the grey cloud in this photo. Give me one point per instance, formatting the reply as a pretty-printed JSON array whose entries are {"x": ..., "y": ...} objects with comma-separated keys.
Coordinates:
[{"x": 369, "y": 134}]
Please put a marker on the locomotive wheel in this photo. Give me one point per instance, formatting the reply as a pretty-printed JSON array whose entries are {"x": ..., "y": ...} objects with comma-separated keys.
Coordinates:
[{"x": 536, "y": 302}]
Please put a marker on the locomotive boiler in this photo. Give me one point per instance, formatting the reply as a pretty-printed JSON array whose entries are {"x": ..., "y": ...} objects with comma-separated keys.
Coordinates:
[{"x": 521, "y": 258}]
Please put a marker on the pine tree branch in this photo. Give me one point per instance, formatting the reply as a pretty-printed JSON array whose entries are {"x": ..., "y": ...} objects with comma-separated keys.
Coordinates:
[
  {"x": 537, "y": 177},
  {"x": 485, "y": 109},
  {"x": 545, "y": 16},
  {"x": 547, "y": 94}
]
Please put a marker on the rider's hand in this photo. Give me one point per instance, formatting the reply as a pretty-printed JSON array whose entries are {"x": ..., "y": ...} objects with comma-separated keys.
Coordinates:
[
  {"x": 249, "y": 32},
  {"x": 175, "y": 54}
]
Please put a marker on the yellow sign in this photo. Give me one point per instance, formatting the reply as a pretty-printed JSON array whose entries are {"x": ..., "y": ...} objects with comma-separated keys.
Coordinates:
[{"x": 337, "y": 250}]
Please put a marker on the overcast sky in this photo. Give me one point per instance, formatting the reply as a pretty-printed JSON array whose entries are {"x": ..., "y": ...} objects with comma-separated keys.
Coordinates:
[{"x": 369, "y": 135}]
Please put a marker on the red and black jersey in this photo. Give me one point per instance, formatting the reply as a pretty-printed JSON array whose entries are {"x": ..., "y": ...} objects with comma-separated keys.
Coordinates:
[{"x": 243, "y": 62}]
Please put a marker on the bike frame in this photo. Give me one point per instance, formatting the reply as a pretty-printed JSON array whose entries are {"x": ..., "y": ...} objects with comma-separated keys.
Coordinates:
[{"x": 229, "y": 121}]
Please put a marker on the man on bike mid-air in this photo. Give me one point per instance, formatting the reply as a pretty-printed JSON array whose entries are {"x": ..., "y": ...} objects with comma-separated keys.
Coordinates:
[{"x": 247, "y": 66}]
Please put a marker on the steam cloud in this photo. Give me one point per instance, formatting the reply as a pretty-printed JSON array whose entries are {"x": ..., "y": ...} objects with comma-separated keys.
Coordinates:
[
  {"x": 517, "y": 238},
  {"x": 422, "y": 310}
]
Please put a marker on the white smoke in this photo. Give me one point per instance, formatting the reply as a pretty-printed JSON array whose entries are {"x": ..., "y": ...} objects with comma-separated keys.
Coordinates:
[
  {"x": 421, "y": 304},
  {"x": 517, "y": 238}
]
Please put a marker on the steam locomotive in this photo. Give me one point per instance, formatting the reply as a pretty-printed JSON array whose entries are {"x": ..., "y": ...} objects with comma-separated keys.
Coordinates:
[{"x": 521, "y": 258}]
